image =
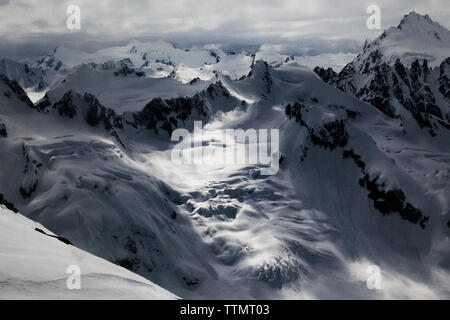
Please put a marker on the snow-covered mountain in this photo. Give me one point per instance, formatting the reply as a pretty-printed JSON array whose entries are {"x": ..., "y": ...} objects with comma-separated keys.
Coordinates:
[
  {"x": 34, "y": 265},
  {"x": 156, "y": 59},
  {"x": 404, "y": 73},
  {"x": 353, "y": 190},
  {"x": 138, "y": 63},
  {"x": 358, "y": 186},
  {"x": 26, "y": 75},
  {"x": 417, "y": 37}
]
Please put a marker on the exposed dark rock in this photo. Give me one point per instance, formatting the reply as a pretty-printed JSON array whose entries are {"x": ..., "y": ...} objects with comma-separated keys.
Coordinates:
[
  {"x": 352, "y": 114},
  {"x": 31, "y": 169},
  {"x": 444, "y": 79},
  {"x": 64, "y": 240},
  {"x": 191, "y": 282},
  {"x": 97, "y": 114},
  {"x": 169, "y": 114},
  {"x": 3, "y": 132},
  {"x": 295, "y": 111},
  {"x": 378, "y": 93},
  {"x": 8, "y": 204},
  {"x": 327, "y": 75},
  {"x": 332, "y": 134},
  {"x": 66, "y": 106},
  {"x": 15, "y": 89},
  {"x": 386, "y": 202},
  {"x": 131, "y": 264},
  {"x": 329, "y": 136},
  {"x": 356, "y": 158},
  {"x": 391, "y": 201}
]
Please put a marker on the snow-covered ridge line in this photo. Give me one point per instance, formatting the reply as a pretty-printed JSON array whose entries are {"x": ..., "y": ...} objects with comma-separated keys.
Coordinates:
[
  {"x": 34, "y": 264},
  {"x": 155, "y": 60},
  {"x": 159, "y": 116}
]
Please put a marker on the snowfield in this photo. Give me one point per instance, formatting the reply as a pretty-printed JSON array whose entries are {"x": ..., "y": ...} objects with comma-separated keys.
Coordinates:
[{"x": 34, "y": 265}]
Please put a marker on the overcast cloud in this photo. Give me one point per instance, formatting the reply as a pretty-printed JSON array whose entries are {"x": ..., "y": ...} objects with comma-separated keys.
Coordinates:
[{"x": 32, "y": 27}]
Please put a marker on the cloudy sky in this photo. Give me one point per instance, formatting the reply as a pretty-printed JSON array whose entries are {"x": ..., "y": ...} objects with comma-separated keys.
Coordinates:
[{"x": 33, "y": 27}]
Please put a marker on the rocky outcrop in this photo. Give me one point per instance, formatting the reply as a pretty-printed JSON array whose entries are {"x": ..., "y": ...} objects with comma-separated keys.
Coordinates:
[
  {"x": 386, "y": 200},
  {"x": 389, "y": 87},
  {"x": 3, "y": 132},
  {"x": 15, "y": 90}
]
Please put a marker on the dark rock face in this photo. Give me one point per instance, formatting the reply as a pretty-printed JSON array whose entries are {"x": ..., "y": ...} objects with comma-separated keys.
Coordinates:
[
  {"x": 329, "y": 136},
  {"x": 66, "y": 106},
  {"x": 295, "y": 111},
  {"x": 97, "y": 114},
  {"x": 3, "y": 132},
  {"x": 444, "y": 79},
  {"x": 159, "y": 115},
  {"x": 63, "y": 240},
  {"x": 352, "y": 114},
  {"x": 191, "y": 282},
  {"x": 333, "y": 134},
  {"x": 8, "y": 204},
  {"x": 122, "y": 68},
  {"x": 378, "y": 91},
  {"x": 73, "y": 104},
  {"x": 15, "y": 89},
  {"x": 169, "y": 114},
  {"x": 327, "y": 75},
  {"x": 23, "y": 73},
  {"x": 31, "y": 174},
  {"x": 391, "y": 201},
  {"x": 386, "y": 87},
  {"x": 131, "y": 264},
  {"x": 386, "y": 201},
  {"x": 356, "y": 158},
  {"x": 43, "y": 104}
]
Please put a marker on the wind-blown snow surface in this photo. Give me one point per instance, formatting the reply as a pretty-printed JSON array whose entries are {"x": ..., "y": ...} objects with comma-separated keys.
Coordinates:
[{"x": 34, "y": 265}]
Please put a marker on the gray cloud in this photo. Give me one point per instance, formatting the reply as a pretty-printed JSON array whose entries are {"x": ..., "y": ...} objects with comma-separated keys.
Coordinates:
[{"x": 340, "y": 25}]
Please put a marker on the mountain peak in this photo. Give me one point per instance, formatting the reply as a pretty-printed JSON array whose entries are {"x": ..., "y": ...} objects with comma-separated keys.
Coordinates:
[
  {"x": 417, "y": 37},
  {"x": 414, "y": 17},
  {"x": 414, "y": 21}
]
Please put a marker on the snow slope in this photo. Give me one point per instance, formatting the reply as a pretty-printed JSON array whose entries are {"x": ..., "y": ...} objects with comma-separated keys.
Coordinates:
[
  {"x": 34, "y": 265},
  {"x": 120, "y": 93}
]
